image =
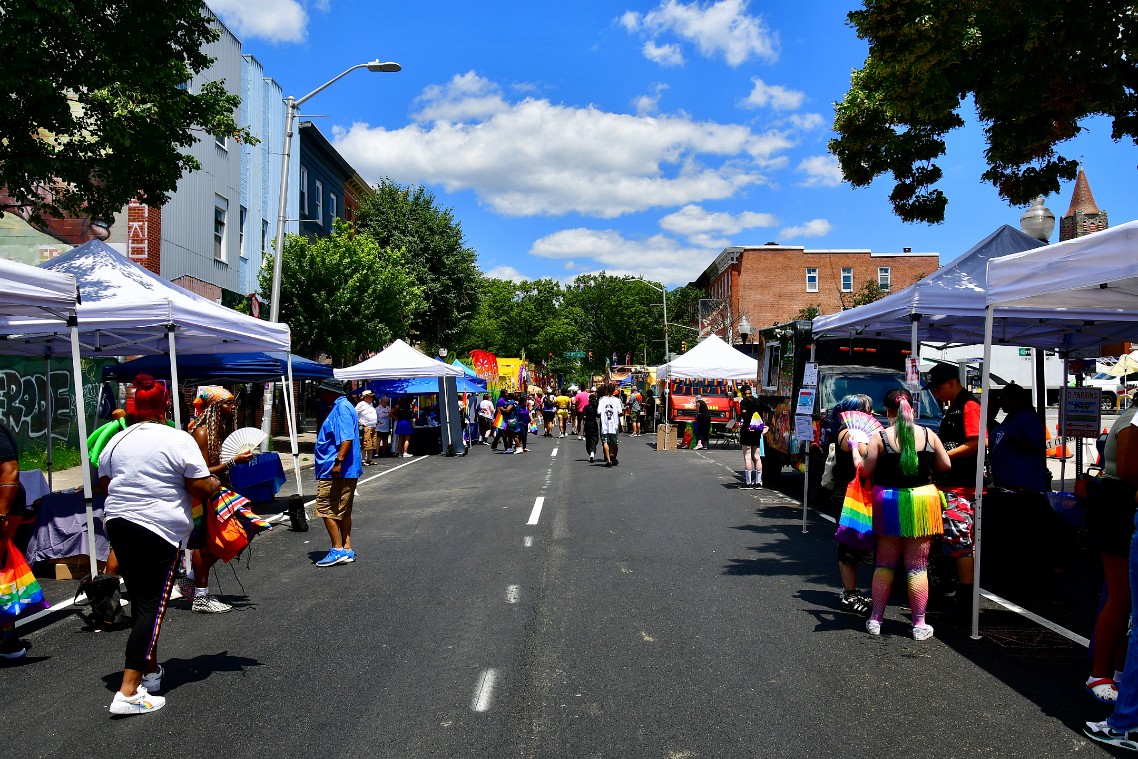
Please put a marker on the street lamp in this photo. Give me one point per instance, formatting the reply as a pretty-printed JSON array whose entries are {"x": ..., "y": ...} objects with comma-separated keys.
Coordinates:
[
  {"x": 744, "y": 329},
  {"x": 664, "y": 292},
  {"x": 292, "y": 107}
]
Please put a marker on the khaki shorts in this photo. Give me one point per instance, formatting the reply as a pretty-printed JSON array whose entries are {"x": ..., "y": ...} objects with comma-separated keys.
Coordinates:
[
  {"x": 369, "y": 441},
  {"x": 334, "y": 497}
]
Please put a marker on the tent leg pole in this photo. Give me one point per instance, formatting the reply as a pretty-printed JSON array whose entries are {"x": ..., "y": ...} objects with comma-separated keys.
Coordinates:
[
  {"x": 81, "y": 416},
  {"x": 1063, "y": 425},
  {"x": 50, "y": 409},
  {"x": 978, "y": 506},
  {"x": 290, "y": 415}
]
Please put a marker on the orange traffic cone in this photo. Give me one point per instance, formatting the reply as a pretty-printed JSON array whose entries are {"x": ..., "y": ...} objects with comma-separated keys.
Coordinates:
[{"x": 1057, "y": 452}]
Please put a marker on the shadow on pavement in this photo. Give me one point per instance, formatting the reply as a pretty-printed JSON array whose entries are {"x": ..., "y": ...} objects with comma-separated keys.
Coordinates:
[{"x": 197, "y": 669}]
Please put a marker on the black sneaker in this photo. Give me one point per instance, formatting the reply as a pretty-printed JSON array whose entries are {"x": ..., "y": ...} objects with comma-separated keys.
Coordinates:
[
  {"x": 12, "y": 648},
  {"x": 853, "y": 601},
  {"x": 1104, "y": 733},
  {"x": 614, "y": 461}
]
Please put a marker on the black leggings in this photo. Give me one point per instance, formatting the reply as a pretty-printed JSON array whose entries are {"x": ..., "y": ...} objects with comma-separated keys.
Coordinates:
[{"x": 147, "y": 564}]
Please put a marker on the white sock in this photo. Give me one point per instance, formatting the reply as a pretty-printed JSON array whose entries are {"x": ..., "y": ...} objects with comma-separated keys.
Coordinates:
[
  {"x": 747, "y": 476},
  {"x": 201, "y": 592}
]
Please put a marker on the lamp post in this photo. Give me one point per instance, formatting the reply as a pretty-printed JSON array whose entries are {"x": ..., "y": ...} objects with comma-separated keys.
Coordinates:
[
  {"x": 292, "y": 107},
  {"x": 744, "y": 329},
  {"x": 445, "y": 410},
  {"x": 664, "y": 292}
]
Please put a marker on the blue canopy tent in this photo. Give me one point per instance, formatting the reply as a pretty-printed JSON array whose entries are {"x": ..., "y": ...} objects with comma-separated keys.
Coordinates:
[
  {"x": 422, "y": 386},
  {"x": 219, "y": 368}
]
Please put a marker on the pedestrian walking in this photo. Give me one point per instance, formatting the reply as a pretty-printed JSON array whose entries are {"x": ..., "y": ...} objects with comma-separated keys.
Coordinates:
[
  {"x": 844, "y": 472},
  {"x": 485, "y": 419},
  {"x": 590, "y": 421},
  {"x": 751, "y": 427},
  {"x": 549, "y": 410},
  {"x": 609, "y": 410},
  {"x": 151, "y": 473},
  {"x": 12, "y": 503},
  {"x": 404, "y": 428},
  {"x": 338, "y": 468},
  {"x": 580, "y": 401},
  {"x": 383, "y": 427},
  {"x": 702, "y": 423},
  {"x": 635, "y": 408}
]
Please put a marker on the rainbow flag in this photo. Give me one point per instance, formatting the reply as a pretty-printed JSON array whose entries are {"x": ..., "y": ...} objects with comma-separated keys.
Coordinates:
[{"x": 19, "y": 589}]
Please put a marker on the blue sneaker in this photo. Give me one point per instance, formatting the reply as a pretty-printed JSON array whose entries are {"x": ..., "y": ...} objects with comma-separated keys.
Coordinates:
[
  {"x": 335, "y": 556},
  {"x": 349, "y": 556}
]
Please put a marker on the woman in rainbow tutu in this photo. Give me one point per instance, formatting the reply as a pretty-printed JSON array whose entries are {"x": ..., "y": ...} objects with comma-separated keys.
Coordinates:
[{"x": 906, "y": 507}]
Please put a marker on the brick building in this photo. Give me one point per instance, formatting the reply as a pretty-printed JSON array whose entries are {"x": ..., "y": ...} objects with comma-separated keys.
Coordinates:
[
  {"x": 770, "y": 284},
  {"x": 1083, "y": 217}
]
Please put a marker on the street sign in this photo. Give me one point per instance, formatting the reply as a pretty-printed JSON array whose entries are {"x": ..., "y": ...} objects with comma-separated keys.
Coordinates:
[{"x": 574, "y": 354}]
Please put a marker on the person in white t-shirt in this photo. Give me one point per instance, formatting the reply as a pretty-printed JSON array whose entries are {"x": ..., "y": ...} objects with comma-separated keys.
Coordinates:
[
  {"x": 151, "y": 473},
  {"x": 485, "y": 419},
  {"x": 609, "y": 409},
  {"x": 382, "y": 425},
  {"x": 369, "y": 420}
]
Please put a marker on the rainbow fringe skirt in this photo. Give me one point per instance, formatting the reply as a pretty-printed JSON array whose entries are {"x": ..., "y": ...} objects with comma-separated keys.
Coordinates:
[{"x": 908, "y": 512}]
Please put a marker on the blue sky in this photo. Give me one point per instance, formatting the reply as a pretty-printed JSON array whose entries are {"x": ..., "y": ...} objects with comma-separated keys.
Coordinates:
[{"x": 635, "y": 137}]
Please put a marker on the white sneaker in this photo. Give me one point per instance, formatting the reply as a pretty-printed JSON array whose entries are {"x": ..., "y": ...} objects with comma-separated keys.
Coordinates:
[
  {"x": 209, "y": 605},
  {"x": 140, "y": 703},
  {"x": 152, "y": 681},
  {"x": 922, "y": 632},
  {"x": 590, "y": 458},
  {"x": 873, "y": 627}
]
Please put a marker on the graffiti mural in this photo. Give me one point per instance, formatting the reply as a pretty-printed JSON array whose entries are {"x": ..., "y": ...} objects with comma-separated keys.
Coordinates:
[{"x": 24, "y": 392}]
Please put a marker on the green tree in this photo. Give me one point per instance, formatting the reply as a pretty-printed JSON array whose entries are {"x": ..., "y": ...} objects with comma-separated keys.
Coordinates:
[
  {"x": 343, "y": 295},
  {"x": 1034, "y": 72},
  {"x": 869, "y": 292},
  {"x": 96, "y": 111},
  {"x": 810, "y": 313},
  {"x": 443, "y": 267}
]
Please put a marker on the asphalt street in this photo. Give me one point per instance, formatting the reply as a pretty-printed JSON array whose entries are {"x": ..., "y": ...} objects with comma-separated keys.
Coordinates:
[{"x": 539, "y": 606}]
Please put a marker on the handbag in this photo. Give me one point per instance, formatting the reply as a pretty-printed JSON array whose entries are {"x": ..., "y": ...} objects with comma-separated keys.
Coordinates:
[
  {"x": 104, "y": 600},
  {"x": 230, "y": 525},
  {"x": 855, "y": 525},
  {"x": 499, "y": 421},
  {"x": 19, "y": 589},
  {"x": 827, "y": 482}
]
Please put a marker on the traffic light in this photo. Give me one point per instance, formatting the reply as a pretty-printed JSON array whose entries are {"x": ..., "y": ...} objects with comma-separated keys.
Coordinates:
[{"x": 683, "y": 346}]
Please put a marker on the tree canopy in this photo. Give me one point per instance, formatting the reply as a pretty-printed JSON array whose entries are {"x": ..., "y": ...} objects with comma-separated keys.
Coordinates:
[
  {"x": 1034, "y": 71},
  {"x": 96, "y": 109},
  {"x": 444, "y": 268}
]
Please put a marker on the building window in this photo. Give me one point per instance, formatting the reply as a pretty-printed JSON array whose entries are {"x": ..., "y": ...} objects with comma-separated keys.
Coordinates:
[
  {"x": 883, "y": 277},
  {"x": 241, "y": 233},
  {"x": 264, "y": 236},
  {"x": 220, "y": 212},
  {"x": 332, "y": 206},
  {"x": 221, "y": 141},
  {"x": 811, "y": 279},
  {"x": 303, "y": 190},
  {"x": 319, "y": 202},
  {"x": 847, "y": 280}
]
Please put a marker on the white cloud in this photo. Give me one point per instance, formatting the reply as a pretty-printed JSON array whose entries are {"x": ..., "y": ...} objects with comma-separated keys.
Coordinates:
[
  {"x": 506, "y": 272},
  {"x": 465, "y": 97},
  {"x": 812, "y": 228},
  {"x": 821, "y": 171},
  {"x": 646, "y": 104},
  {"x": 273, "y": 20},
  {"x": 716, "y": 28},
  {"x": 773, "y": 95},
  {"x": 806, "y": 121},
  {"x": 538, "y": 158},
  {"x": 665, "y": 55},
  {"x": 659, "y": 257},
  {"x": 698, "y": 225}
]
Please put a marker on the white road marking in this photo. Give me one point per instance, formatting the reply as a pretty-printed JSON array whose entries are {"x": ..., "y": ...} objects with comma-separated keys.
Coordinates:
[
  {"x": 415, "y": 460},
  {"x": 536, "y": 513},
  {"x": 1073, "y": 637},
  {"x": 512, "y": 594},
  {"x": 527, "y": 541},
  {"x": 554, "y": 453},
  {"x": 484, "y": 690}
]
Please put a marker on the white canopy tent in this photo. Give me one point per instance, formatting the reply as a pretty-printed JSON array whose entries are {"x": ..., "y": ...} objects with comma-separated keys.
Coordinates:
[
  {"x": 945, "y": 308},
  {"x": 713, "y": 358},
  {"x": 1078, "y": 293},
  {"x": 27, "y": 294},
  {"x": 398, "y": 361}
]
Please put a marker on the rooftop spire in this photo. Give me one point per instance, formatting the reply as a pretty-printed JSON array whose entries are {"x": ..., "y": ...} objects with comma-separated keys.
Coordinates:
[{"x": 1082, "y": 200}]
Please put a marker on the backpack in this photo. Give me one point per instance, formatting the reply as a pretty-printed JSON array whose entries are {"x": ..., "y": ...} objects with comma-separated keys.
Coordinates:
[{"x": 104, "y": 600}]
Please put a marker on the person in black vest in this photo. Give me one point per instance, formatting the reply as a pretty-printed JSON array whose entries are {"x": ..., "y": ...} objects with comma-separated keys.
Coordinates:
[
  {"x": 702, "y": 422},
  {"x": 960, "y": 433}
]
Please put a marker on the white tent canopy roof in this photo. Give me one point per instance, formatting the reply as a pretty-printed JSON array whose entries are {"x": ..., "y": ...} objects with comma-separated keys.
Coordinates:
[
  {"x": 711, "y": 359},
  {"x": 398, "y": 361},
  {"x": 29, "y": 291},
  {"x": 949, "y": 302},
  {"x": 126, "y": 309}
]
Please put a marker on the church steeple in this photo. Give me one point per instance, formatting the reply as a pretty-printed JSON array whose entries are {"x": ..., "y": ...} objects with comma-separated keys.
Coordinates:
[{"x": 1083, "y": 217}]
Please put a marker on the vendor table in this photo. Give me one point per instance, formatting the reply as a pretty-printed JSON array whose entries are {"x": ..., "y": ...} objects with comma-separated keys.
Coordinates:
[
  {"x": 426, "y": 441},
  {"x": 61, "y": 528},
  {"x": 35, "y": 485},
  {"x": 259, "y": 479}
]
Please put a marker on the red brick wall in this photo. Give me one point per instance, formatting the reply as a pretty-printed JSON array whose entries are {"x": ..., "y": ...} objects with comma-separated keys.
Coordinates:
[
  {"x": 768, "y": 285},
  {"x": 144, "y": 236}
]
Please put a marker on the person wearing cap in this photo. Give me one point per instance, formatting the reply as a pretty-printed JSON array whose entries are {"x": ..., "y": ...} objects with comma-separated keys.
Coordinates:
[
  {"x": 369, "y": 420},
  {"x": 960, "y": 433},
  {"x": 337, "y": 469}
]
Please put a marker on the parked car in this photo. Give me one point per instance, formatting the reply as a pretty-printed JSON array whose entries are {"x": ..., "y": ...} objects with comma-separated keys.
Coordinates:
[{"x": 1113, "y": 389}]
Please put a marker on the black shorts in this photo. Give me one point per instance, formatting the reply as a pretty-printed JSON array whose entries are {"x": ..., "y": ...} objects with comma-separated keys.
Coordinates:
[{"x": 1110, "y": 515}]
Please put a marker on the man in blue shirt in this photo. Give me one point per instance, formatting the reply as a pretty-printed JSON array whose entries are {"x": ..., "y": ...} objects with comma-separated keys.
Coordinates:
[
  {"x": 1019, "y": 446},
  {"x": 338, "y": 466}
]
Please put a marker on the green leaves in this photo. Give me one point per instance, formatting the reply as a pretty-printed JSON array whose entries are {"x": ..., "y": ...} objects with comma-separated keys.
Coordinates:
[{"x": 1033, "y": 71}]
